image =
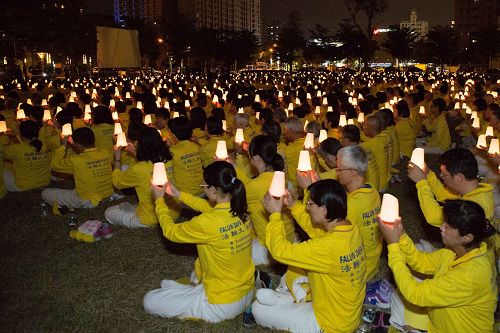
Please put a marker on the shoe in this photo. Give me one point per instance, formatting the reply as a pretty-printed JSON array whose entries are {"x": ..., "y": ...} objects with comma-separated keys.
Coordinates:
[
  {"x": 105, "y": 231},
  {"x": 248, "y": 318},
  {"x": 262, "y": 280},
  {"x": 380, "y": 295}
]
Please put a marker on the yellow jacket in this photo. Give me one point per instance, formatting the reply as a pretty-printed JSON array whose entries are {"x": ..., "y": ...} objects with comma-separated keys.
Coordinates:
[
  {"x": 335, "y": 262},
  {"x": 377, "y": 146},
  {"x": 256, "y": 189},
  {"x": 188, "y": 172},
  {"x": 138, "y": 176},
  {"x": 440, "y": 133},
  {"x": 292, "y": 152},
  {"x": 394, "y": 153},
  {"x": 406, "y": 137},
  {"x": 104, "y": 137},
  {"x": 363, "y": 206},
  {"x": 372, "y": 175},
  {"x": 415, "y": 120},
  {"x": 224, "y": 246},
  {"x": 461, "y": 296},
  {"x": 207, "y": 151},
  {"x": 91, "y": 169},
  {"x": 31, "y": 168},
  {"x": 431, "y": 190}
]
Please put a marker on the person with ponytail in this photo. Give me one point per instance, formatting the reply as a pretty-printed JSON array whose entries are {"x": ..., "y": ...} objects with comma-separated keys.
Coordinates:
[
  {"x": 265, "y": 159},
  {"x": 222, "y": 283},
  {"x": 30, "y": 160},
  {"x": 461, "y": 294},
  {"x": 150, "y": 149}
]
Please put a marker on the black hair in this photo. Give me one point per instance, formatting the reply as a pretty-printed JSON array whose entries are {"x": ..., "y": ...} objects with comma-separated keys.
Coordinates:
[
  {"x": 134, "y": 129},
  {"x": 352, "y": 133},
  {"x": 218, "y": 113},
  {"x": 460, "y": 160},
  {"x": 221, "y": 175},
  {"x": 333, "y": 118},
  {"x": 403, "y": 109},
  {"x": 272, "y": 129},
  {"x": 198, "y": 118},
  {"x": 162, "y": 113},
  {"x": 332, "y": 195},
  {"x": 135, "y": 116},
  {"x": 468, "y": 218},
  {"x": 330, "y": 146},
  {"x": 214, "y": 126},
  {"x": 387, "y": 117},
  {"x": 102, "y": 115},
  {"x": 29, "y": 130},
  {"x": 84, "y": 136},
  {"x": 181, "y": 127},
  {"x": 440, "y": 104},
  {"x": 480, "y": 104},
  {"x": 266, "y": 148},
  {"x": 151, "y": 147},
  {"x": 75, "y": 109},
  {"x": 64, "y": 117}
]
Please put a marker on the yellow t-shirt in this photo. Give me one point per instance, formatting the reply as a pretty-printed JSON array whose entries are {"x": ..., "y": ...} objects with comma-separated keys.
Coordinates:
[
  {"x": 406, "y": 137},
  {"x": 188, "y": 172},
  {"x": 377, "y": 147},
  {"x": 292, "y": 152},
  {"x": 31, "y": 167},
  {"x": 224, "y": 244},
  {"x": 104, "y": 137},
  {"x": 207, "y": 151},
  {"x": 363, "y": 206},
  {"x": 138, "y": 176},
  {"x": 440, "y": 133},
  {"x": 336, "y": 267},
  {"x": 462, "y": 294},
  {"x": 91, "y": 169}
]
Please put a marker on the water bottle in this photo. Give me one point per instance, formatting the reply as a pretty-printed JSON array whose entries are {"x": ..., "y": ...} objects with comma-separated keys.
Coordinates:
[
  {"x": 72, "y": 221},
  {"x": 368, "y": 317},
  {"x": 44, "y": 209}
]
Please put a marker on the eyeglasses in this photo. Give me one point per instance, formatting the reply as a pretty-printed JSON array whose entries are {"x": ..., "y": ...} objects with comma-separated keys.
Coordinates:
[
  {"x": 203, "y": 185},
  {"x": 444, "y": 175}
]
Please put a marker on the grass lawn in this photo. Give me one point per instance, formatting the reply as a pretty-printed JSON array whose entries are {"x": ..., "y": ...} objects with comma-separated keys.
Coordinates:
[{"x": 50, "y": 282}]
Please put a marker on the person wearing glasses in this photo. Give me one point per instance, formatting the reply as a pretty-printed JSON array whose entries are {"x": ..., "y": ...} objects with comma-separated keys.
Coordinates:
[
  {"x": 223, "y": 282},
  {"x": 334, "y": 258},
  {"x": 461, "y": 294},
  {"x": 458, "y": 172}
]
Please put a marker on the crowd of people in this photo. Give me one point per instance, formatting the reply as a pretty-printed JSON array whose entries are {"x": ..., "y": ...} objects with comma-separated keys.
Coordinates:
[{"x": 352, "y": 131}]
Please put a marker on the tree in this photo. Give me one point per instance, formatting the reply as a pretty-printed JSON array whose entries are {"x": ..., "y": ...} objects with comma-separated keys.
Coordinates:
[
  {"x": 320, "y": 47},
  {"x": 291, "y": 40},
  {"x": 370, "y": 10},
  {"x": 400, "y": 42},
  {"x": 486, "y": 44},
  {"x": 444, "y": 42},
  {"x": 353, "y": 41}
]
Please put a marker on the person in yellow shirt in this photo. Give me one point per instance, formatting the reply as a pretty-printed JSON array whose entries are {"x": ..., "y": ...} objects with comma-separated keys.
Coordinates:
[
  {"x": 30, "y": 160},
  {"x": 150, "y": 149},
  {"x": 90, "y": 167},
  {"x": 223, "y": 282},
  {"x": 327, "y": 158},
  {"x": 198, "y": 119},
  {"x": 458, "y": 171},
  {"x": 187, "y": 160},
  {"x": 405, "y": 133},
  {"x": 103, "y": 128},
  {"x": 334, "y": 259},
  {"x": 440, "y": 139},
  {"x": 363, "y": 203},
  {"x": 376, "y": 144},
  {"x": 265, "y": 159},
  {"x": 461, "y": 295},
  {"x": 350, "y": 137},
  {"x": 294, "y": 135},
  {"x": 214, "y": 134}
]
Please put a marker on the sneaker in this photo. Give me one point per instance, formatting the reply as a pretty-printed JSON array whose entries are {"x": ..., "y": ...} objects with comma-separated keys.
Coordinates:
[
  {"x": 379, "y": 295},
  {"x": 248, "y": 318},
  {"x": 105, "y": 231},
  {"x": 262, "y": 280}
]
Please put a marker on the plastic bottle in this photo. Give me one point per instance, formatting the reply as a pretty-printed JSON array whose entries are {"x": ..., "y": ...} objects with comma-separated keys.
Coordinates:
[{"x": 368, "y": 317}]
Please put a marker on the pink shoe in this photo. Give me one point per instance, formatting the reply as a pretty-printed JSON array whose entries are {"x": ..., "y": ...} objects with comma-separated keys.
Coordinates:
[{"x": 105, "y": 231}]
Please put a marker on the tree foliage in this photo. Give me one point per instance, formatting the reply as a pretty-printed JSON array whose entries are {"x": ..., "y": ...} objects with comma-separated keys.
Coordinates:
[
  {"x": 291, "y": 39},
  {"x": 444, "y": 43},
  {"x": 400, "y": 42}
]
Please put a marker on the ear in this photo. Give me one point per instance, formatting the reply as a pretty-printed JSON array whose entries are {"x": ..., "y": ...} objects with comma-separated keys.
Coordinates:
[
  {"x": 459, "y": 177},
  {"x": 323, "y": 211},
  {"x": 468, "y": 238}
]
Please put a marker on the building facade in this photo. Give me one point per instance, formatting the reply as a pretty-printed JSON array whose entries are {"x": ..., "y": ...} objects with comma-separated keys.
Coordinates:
[
  {"x": 420, "y": 27},
  {"x": 224, "y": 14},
  {"x": 149, "y": 10}
]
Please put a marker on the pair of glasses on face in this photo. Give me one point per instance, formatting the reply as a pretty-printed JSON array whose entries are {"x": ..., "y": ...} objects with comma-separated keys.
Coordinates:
[
  {"x": 444, "y": 175},
  {"x": 338, "y": 170},
  {"x": 203, "y": 185},
  {"x": 310, "y": 203}
]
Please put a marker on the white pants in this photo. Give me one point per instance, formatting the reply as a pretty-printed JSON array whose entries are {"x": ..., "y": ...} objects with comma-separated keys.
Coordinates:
[
  {"x": 182, "y": 301},
  {"x": 397, "y": 319},
  {"x": 10, "y": 181},
  {"x": 296, "y": 317},
  {"x": 68, "y": 198},
  {"x": 260, "y": 254},
  {"x": 123, "y": 214}
]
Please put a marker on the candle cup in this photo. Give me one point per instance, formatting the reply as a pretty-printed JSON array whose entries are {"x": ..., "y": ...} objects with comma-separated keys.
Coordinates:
[
  {"x": 323, "y": 135},
  {"x": 121, "y": 140},
  {"x": 239, "y": 136},
  {"x": 277, "y": 188},
  {"x": 418, "y": 157},
  {"x": 494, "y": 147},
  {"x": 3, "y": 126},
  {"x": 481, "y": 142},
  {"x": 389, "y": 210},
  {"x": 66, "y": 130},
  {"x": 304, "y": 161},
  {"x": 309, "y": 141},
  {"x": 159, "y": 174},
  {"x": 147, "y": 119},
  {"x": 118, "y": 128},
  {"x": 221, "y": 151}
]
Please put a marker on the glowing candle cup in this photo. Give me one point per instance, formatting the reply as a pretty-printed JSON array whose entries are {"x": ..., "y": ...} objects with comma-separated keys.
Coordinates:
[
  {"x": 417, "y": 157},
  {"x": 221, "y": 151},
  {"x": 304, "y": 161},
  {"x": 389, "y": 211},
  {"x": 277, "y": 188},
  {"x": 159, "y": 174}
]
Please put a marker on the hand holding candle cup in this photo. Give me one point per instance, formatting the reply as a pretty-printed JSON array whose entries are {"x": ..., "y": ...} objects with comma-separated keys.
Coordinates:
[
  {"x": 418, "y": 157},
  {"x": 389, "y": 210},
  {"x": 159, "y": 174},
  {"x": 277, "y": 188},
  {"x": 304, "y": 161},
  {"x": 221, "y": 151}
]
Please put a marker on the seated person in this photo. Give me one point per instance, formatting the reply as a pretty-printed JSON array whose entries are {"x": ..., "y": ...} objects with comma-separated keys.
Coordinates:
[
  {"x": 461, "y": 296},
  {"x": 90, "y": 167},
  {"x": 224, "y": 272}
]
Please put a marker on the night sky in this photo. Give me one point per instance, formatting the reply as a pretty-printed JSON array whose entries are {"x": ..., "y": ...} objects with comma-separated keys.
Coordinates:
[{"x": 330, "y": 12}]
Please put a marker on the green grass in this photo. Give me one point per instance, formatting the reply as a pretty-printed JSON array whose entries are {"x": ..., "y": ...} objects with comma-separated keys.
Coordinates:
[{"x": 50, "y": 282}]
